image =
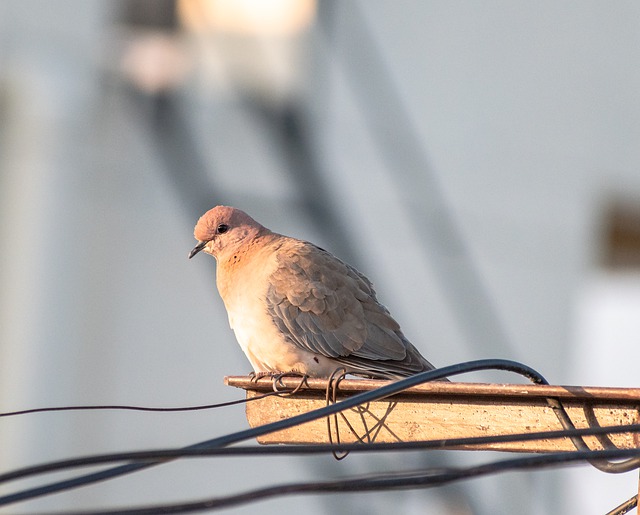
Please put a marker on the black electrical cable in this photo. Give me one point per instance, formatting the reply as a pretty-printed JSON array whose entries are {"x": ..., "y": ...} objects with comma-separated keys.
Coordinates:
[
  {"x": 353, "y": 401},
  {"x": 137, "y": 408},
  {"x": 603, "y": 466},
  {"x": 422, "y": 478},
  {"x": 441, "y": 444}
]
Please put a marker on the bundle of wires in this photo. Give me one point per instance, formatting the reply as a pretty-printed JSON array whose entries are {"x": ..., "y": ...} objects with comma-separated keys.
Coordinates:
[{"x": 136, "y": 461}]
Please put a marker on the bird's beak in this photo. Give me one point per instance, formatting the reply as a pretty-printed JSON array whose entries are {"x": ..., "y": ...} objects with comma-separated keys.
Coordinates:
[{"x": 197, "y": 248}]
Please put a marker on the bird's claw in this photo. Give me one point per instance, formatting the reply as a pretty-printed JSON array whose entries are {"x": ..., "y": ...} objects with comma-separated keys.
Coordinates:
[
  {"x": 254, "y": 377},
  {"x": 276, "y": 378}
]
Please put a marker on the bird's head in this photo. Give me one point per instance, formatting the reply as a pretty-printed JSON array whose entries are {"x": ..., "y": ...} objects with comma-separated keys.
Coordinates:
[{"x": 223, "y": 229}]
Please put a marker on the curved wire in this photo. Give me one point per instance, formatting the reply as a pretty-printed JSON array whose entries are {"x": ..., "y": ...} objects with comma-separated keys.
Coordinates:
[
  {"x": 355, "y": 400},
  {"x": 141, "y": 408},
  {"x": 350, "y": 402},
  {"x": 425, "y": 445},
  {"x": 422, "y": 478}
]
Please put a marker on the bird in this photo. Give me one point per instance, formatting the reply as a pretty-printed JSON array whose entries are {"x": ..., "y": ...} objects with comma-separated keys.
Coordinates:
[{"x": 296, "y": 308}]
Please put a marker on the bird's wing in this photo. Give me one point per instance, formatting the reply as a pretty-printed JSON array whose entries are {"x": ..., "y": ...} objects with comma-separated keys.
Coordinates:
[{"x": 326, "y": 306}]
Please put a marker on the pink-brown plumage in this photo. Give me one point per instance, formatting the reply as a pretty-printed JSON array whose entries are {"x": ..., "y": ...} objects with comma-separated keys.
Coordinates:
[{"x": 295, "y": 307}]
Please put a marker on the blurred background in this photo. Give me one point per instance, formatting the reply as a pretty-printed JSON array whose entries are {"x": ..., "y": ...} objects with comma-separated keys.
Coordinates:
[{"x": 480, "y": 162}]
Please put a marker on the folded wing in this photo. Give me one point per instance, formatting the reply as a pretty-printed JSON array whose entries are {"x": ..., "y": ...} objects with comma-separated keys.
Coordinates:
[{"x": 327, "y": 307}]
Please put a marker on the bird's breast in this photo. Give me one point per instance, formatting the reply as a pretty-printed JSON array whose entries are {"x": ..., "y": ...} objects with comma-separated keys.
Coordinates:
[{"x": 243, "y": 286}]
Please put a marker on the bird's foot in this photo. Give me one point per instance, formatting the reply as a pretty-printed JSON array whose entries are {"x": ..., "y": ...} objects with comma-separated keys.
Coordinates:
[
  {"x": 256, "y": 376},
  {"x": 277, "y": 378},
  {"x": 278, "y": 385}
]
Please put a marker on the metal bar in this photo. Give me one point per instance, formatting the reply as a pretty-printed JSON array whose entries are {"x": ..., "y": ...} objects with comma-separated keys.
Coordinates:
[{"x": 446, "y": 410}]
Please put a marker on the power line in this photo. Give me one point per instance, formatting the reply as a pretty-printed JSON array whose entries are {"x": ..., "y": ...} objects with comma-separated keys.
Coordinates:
[
  {"x": 350, "y": 402},
  {"x": 426, "y": 445},
  {"x": 422, "y": 478},
  {"x": 136, "y": 408}
]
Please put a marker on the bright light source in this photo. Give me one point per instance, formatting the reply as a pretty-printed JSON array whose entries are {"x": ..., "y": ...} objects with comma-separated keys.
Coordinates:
[{"x": 248, "y": 17}]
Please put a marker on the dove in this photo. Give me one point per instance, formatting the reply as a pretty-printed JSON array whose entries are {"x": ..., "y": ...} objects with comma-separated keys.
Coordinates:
[{"x": 294, "y": 307}]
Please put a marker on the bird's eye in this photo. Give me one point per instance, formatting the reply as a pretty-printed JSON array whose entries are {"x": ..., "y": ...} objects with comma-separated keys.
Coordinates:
[{"x": 222, "y": 228}]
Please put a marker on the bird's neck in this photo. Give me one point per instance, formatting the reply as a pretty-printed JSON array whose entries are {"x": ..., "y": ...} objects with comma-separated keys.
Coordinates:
[{"x": 234, "y": 263}]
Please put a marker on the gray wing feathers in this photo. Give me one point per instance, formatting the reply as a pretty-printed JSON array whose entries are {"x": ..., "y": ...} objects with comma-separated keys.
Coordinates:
[{"x": 328, "y": 307}]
